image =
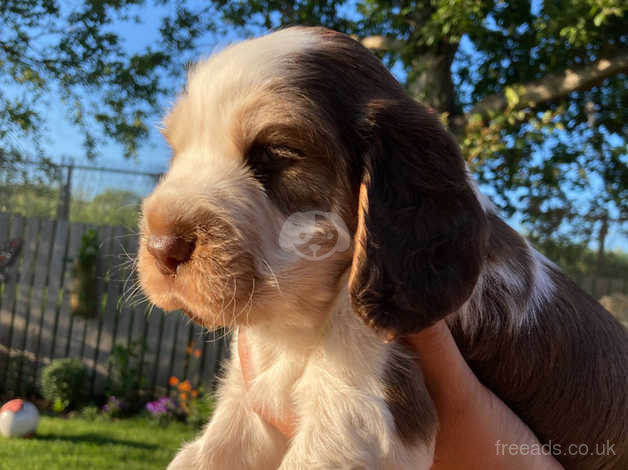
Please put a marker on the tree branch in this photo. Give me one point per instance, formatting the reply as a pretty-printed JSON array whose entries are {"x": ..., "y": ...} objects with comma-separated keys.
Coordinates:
[{"x": 549, "y": 88}]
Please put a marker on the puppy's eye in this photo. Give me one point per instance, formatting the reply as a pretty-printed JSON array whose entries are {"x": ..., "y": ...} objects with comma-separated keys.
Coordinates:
[
  {"x": 268, "y": 155},
  {"x": 273, "y": 153},
  {"x": 267, "y": 161}
]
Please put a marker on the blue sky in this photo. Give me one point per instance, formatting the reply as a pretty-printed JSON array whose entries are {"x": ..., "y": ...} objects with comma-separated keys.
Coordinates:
[{"x": 63, "y": 141}]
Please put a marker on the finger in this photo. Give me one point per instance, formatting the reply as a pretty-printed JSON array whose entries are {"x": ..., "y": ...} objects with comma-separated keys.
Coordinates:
[{"x": 447, "y": 375}]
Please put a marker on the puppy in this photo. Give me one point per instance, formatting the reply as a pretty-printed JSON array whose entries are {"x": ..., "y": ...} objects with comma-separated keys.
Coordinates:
[{"x": 322, "y": 213}]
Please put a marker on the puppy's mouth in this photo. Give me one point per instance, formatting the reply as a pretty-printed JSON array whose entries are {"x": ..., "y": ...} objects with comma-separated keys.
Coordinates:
[{"x": 214, "y": 286}]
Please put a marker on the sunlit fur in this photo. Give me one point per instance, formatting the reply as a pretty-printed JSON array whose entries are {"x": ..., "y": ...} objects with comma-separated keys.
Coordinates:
[
  {"x": 429, "y": 247},
  {"x": 308, "y": 349}
]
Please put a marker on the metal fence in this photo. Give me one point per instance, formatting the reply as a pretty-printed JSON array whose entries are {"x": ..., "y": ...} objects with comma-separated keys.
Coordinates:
[
  {"x": 37, "y": 325},
  {"x": 80, "y": 193}
]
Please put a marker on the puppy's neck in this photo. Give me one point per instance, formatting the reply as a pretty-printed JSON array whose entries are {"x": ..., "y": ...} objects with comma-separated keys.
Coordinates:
[{"x": 298, "y": 339}]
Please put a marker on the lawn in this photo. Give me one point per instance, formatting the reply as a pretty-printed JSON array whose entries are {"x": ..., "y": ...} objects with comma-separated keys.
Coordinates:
[{"x": 78, "y": 444}]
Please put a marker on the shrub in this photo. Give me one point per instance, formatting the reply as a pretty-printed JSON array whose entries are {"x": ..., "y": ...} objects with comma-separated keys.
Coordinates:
[
  {"x": 20, "y": 368},
  {"x": 126, "y": 381},
  {"x": 199, "y": 410},
  {"x": 90, "y": 413},
  {"x": 114, "y": 408},
  {"x": 63, "y": 383}
]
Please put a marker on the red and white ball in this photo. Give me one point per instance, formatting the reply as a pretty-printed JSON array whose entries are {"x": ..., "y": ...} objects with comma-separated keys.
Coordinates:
[{"x": 18, "y": 418}]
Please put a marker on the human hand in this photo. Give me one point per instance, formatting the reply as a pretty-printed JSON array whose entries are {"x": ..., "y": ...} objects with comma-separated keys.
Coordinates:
[{"x": 474, "y": 422}]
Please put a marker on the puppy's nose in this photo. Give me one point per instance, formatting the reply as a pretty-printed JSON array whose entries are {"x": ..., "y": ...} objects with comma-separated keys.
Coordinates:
[{"x": 169, "y": 251}]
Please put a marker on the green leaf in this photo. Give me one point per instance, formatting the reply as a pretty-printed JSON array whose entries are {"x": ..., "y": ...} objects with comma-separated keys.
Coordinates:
[{"x": 511, "y": 97}]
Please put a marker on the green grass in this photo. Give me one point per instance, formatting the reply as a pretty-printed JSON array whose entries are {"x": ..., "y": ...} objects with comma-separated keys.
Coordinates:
[{"x": 78, "y": 444}]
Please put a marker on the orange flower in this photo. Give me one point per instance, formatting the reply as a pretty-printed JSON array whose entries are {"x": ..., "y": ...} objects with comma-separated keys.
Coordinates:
[
  {"x": 194, "y": 393},
  {"x": 185, "y": 386},
  {"x": 197, "y": 353},
  {"x": 173, "y": 381},
  {"x": 184, "y": 396}
]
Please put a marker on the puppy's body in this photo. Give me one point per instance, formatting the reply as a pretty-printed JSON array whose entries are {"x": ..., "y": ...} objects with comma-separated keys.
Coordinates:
[
  {"x": 341, "y": 384},
  {"x": 550, "y": 352},
  {"x": 307, "y": 120}
]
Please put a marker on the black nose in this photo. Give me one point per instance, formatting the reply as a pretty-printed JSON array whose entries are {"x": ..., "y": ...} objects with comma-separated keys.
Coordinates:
[{"x": 169, "y": 251}]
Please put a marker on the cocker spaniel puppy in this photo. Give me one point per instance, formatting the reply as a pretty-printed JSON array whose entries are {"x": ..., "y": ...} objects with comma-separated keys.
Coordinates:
[{"x": 321, "y": 212}]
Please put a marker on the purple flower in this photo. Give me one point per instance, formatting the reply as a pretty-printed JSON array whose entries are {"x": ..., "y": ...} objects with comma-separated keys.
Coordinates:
[
  {"x": 114, "y": 404},
  {"x": 161, "y": 407}
]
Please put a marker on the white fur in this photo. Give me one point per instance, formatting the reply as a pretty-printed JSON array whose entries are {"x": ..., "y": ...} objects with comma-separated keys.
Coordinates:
[
  {"x": 331, "y": 379},
  {"x": 543, "y": 288}
]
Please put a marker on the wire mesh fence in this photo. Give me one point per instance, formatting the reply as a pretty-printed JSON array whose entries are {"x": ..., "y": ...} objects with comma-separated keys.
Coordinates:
[{"x": 78, "y": 193}]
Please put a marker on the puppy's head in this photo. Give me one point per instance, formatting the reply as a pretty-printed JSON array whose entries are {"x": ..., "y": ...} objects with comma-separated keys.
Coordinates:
[{"x": 296, "y": 157}]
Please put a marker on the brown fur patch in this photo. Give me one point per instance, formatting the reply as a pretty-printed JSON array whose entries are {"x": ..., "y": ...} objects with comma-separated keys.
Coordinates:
[
  {"x": 408, "y": 399},
  {"x": 564, "y": 371}
]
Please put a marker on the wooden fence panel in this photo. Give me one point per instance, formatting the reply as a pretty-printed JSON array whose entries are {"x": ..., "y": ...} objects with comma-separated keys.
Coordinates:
[
  {"x": 599, "y": 287},
  {"x": 155, "y": 322},
  {"x": 62, "y": 342},
  {"x": 587, "y": 283},
  {"x": 136, "y": 309},
  {"x": 5, "y": 285},
  {"x": 618, "y": 286},
  {"x": 5, "y": 222},
  {"x": 42, "y": 263},
  {"x": 182, "y": 346},
  {"x": 124, "y": 324},
  {"x": 36, "y": 321},
  {"x": 93, "y": 326},
  {"x": 53, "y": 297},
  {"x": 7, "y": 307},
  {"x": 166, "y": 348},
  {"x": 78, "y": 324},
  {"x": 216, "y": 344},
  {"x": 602, "y": 287},
  {"x": 137, "y": 335},
  {"x": 108, "y": 323},
  {"x": 193, "y": 372},
  {"x": 20, "y": 318},
  {"x": 208, "y": 359}
]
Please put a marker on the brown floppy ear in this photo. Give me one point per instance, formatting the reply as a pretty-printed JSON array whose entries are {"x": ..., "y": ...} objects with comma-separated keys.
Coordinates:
[{"x": 421, "y": 235}]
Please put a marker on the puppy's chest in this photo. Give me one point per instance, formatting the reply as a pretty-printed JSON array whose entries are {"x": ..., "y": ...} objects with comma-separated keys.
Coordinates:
[
  {"x": 270, "y": 376},
  {"x": 280, "y": 376}
]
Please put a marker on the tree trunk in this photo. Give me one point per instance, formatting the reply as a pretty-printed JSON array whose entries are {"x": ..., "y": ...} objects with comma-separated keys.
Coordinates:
[
  {"x": 430, "y": 82},
  {"x": 600, "y": 248}
]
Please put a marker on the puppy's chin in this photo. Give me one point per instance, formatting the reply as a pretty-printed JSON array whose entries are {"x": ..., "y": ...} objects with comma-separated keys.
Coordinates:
[
  {"x": 210, "y": 300},
  {"x": 210, "y": 314}
]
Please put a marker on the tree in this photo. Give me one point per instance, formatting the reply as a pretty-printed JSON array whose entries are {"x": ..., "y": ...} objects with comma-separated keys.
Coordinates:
[
  {"x": 73, "y": 50},
  {"x": 111, "y": 207},
  {"x": 535, "y": 91}
]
